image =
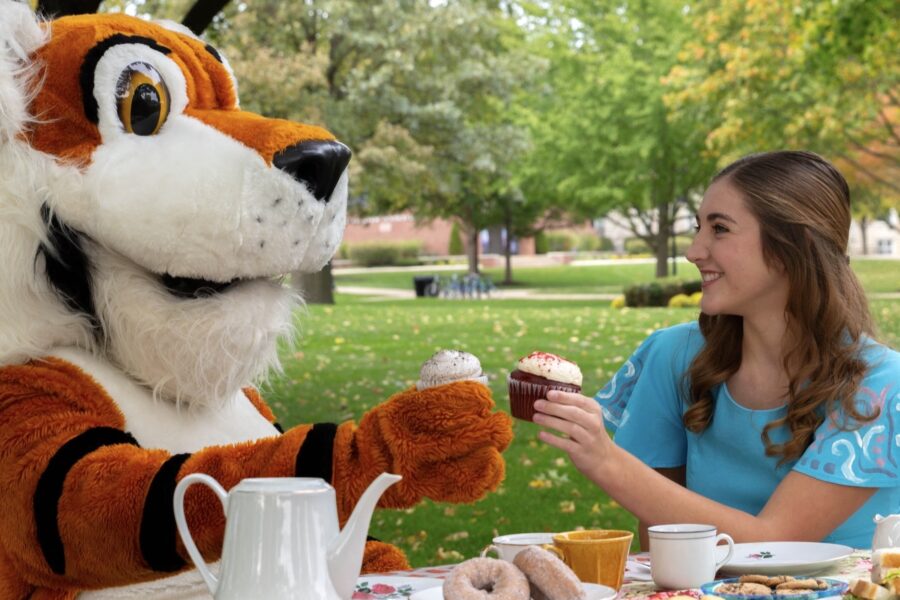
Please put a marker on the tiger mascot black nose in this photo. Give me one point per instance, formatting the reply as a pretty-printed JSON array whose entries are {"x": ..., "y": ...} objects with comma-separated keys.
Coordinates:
[{"x": 319, "y": 165}]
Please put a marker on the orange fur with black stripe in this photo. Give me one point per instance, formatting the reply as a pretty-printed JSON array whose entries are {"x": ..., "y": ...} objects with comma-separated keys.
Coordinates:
[{"x": 139, "y": 250}]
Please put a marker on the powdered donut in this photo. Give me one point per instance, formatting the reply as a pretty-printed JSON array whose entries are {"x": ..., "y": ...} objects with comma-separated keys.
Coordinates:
[
  {"x": 550, "y": 578},
  {"x": 485, "y": 579}
]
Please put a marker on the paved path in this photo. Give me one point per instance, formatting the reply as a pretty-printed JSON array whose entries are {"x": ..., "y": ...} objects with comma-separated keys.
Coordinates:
[{"x": 519, "y": 294}]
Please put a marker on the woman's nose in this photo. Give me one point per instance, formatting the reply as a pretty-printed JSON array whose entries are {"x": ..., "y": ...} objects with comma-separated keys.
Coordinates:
[{"x": 697, "y": 250}]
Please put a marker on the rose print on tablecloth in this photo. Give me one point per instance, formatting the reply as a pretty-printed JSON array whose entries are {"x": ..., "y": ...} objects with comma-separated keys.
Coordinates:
[{"x": 381, "y": 591}]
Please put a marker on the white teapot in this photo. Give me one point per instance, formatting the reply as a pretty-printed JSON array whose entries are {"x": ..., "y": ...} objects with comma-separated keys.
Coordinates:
[
  {"x": 282, "y": 539},
  {"x": 887, "y": 532}
]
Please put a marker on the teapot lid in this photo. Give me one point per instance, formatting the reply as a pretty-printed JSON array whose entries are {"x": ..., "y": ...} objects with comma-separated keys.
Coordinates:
[{"x": 282, "y": 485}]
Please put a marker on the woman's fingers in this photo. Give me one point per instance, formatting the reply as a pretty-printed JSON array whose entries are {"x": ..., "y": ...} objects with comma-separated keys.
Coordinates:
[
  {"x": 566, "y": 445},
  {"x": 588, "y": 417},
  {"x": 569, "y": 398}
]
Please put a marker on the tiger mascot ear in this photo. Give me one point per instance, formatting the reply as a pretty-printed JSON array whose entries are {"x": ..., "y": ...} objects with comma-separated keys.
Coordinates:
[{"x": 20, "y": 35}]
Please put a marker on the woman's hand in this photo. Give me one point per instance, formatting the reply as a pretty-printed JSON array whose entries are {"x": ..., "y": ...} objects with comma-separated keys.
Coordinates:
[{"x": 580, "y": 420}]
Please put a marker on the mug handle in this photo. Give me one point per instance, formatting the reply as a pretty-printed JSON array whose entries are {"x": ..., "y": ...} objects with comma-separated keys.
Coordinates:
[
  {"x": 727, "y": 538},
  {"x": 211, "y": 581},
  {"x": 489, "y": 548},
  {"x": 894, "y": 536},
  {"x": 554, "y": 550}
]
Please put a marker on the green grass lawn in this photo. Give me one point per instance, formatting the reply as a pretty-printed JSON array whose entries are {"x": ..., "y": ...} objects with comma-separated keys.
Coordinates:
[
  {"x": 354, "y": 354},
  {"x": 876, "y": 275}
]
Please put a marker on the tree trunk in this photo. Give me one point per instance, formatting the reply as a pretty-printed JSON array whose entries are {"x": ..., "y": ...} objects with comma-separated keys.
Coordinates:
[
  {"x": 202, "y": 13},
  {"x": 864, "y": 234},
  {"x": 661, "y": 248},
  {"x": 507, "y": 250},
  {"x": 472, "y": 249},
  {"x": 53, "y": 9},
  {"x": 316, "y": 288},
  {"x": 662, "y": 254}
]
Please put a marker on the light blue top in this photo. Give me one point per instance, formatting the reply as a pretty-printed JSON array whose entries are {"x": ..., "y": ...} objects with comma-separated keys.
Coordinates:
[{"x": 644, "y": 404}]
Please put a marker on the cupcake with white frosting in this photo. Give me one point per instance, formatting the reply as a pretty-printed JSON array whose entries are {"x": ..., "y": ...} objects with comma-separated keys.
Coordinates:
[
  {"x": 447, "y": 366},
  {"x": 537, "y": 374}
]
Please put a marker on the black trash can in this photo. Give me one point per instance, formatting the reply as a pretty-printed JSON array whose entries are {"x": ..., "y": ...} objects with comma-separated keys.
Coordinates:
[{"x": 422, "y": 283}]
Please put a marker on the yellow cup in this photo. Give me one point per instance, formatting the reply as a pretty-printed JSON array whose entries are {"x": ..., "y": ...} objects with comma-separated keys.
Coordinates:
[{"x": 596, "y": 555}]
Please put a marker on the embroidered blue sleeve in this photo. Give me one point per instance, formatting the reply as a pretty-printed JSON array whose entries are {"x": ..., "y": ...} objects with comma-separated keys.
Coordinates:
[
  {"x": 865, "y": 456},
  {"x": 614, "y": 396},
  {"x": 641, "y": 403}
]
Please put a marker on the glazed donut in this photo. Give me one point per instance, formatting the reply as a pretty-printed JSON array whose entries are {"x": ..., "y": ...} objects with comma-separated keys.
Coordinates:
[
  {"x": 550, "y": 578},
  {"x": 485, "y": 579}
]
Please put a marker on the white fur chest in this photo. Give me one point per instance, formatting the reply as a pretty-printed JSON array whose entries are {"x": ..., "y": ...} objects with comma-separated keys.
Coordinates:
[{"x": 160, "y": 424}]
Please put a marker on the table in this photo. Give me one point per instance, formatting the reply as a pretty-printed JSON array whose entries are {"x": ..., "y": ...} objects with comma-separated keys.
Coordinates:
[{"x": 855, "y": 566}]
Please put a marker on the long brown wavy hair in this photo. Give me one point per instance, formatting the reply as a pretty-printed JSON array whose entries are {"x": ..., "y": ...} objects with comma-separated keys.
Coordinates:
[{"x": 803, "y": 206}]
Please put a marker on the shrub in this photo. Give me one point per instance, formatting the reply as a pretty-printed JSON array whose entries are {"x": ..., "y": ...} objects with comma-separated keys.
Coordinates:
[
  {"x": 636, "y": 245},
  {"x": 372, "y": 254},
  {"x": 456, "y": 244},
  {"x": 692, "y": 287},
  {"x": 606, "y": 244},
  {"x": 588, "y": 242},
  {"x": 679, "y": 301},
  {"x": 660, "y": 293},
  {"x": 561, "y": 241},
  {"x": 655, "y": 295}
]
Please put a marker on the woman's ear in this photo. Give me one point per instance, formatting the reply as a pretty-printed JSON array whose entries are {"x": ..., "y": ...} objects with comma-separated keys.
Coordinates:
[{"x": 20, "y": 35}]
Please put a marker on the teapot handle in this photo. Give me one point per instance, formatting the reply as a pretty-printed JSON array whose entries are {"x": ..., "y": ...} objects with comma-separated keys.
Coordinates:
[{"x": 211, "y": 581}]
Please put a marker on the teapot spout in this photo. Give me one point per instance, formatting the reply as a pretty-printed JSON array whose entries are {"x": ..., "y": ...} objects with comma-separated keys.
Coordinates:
[{"x": 345, "y": 552}]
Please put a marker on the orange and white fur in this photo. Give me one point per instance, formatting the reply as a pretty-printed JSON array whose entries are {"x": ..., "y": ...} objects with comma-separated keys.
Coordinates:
[{"x": 145, "y": 223}]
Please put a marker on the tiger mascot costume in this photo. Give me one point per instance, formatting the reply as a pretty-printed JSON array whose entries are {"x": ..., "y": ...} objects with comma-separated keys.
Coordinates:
[{"x": 145, "y": 220}]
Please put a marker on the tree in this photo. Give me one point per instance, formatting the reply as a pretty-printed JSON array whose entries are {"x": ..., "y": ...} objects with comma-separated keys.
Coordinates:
[
  {"x": 799, "y": 73},
  {"x": 197, "y": 18},
  {"x": 604, "y": 138},
  {"x": 417, "y": 89}
]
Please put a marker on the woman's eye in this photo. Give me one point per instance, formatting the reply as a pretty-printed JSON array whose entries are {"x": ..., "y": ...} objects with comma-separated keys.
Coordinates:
[
  {"x": 142, "y": 99},
  {"x": 717, "y": 228}
]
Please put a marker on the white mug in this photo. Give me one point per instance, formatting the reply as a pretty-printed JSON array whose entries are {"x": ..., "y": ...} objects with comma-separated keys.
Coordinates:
[
  {"x": 887, "y": 532},
  {"x": 683, "y": 556},
  {"x": 507, "y": 546}
]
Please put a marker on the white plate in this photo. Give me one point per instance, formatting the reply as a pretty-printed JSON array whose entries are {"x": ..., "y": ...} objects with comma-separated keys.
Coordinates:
[
  {"x": 594, "y": 592},
  {"x": 386, "y": 587},
  {"x": 783, "y": 558}
]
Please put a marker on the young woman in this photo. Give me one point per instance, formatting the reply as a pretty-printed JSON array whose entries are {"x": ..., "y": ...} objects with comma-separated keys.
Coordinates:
[{"x": 776, "y": 416}]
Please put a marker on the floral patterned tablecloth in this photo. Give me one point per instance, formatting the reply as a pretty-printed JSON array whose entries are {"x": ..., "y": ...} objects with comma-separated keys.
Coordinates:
[{"x": 855, "y": 566}]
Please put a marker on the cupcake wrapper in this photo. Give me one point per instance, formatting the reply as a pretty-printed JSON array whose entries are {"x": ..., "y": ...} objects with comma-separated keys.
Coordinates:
[{"x": 522, "y": 395}]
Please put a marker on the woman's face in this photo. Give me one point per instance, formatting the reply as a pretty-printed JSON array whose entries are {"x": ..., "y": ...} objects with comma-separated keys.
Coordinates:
[{"x": 727, "y": 250}]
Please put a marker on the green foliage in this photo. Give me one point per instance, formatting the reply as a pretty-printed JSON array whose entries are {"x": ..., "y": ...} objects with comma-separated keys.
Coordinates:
[
  {"x": 799, "y": 74},
  {"x": 662, "y": 293},
  {"x": 373, "y": 254},
  {"x": 636, "y": 245},
  {"x": 456, "y": 244},
  {"x": 603, "y": 137},
  {"x": 563, "y": 240},
  {"x": 541, "y": 245}
]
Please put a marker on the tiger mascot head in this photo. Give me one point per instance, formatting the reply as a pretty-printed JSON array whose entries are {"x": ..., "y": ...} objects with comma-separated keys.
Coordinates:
[{"x": 143, "y": 215}]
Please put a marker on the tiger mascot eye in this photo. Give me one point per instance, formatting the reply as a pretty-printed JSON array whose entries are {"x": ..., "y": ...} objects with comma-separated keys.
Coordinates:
[{"x": 145, "y": 223}]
